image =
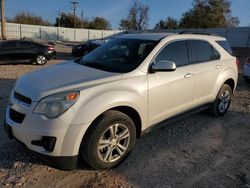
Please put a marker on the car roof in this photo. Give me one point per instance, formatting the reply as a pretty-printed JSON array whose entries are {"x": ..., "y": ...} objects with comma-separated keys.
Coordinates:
[
  {"x": 159, "y": 36},
  {"x": 146, "y": 36}
]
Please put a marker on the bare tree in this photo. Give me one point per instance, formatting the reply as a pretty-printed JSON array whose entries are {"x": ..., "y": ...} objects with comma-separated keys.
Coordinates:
[{"x": 137, "y": 18}]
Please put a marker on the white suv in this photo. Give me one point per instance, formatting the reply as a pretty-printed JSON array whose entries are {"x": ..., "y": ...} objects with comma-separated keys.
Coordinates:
[{"x": 97, "y": 106}]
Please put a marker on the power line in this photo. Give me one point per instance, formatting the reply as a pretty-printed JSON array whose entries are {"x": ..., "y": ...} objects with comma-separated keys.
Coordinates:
[{"x": 74, "y": 8}]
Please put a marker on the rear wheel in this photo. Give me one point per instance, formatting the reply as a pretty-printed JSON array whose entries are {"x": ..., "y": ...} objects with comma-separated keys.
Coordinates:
[
  {"x": 222, "y": 101},
  {"x": 41, "y": 59},
  {"x": 109, "y": 140}
]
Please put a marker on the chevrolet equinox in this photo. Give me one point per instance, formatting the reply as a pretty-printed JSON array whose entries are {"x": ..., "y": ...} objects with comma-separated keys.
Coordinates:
[{"x": 97, "y": 106}]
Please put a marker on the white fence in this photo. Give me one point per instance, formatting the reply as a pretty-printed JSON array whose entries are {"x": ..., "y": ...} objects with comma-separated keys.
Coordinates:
[
  {"x": 237, "y": 37},
  {"x": 15, "y": 31}
]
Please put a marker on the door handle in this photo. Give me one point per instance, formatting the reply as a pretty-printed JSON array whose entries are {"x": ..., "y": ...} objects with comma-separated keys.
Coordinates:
[
  {"x": 218, "y": 66},
  {"x": 188, "y": 75}
]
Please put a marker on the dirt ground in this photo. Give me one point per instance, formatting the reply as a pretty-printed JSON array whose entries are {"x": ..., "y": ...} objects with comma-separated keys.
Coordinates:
[{"x": 199, "y": 151}]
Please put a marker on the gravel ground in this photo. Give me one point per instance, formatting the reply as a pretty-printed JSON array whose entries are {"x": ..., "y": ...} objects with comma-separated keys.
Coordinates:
[{"x": 199, "y": 151}]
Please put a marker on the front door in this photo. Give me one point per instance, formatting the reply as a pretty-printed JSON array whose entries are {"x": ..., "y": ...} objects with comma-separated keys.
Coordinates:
[{"x": 171, "y": 93}]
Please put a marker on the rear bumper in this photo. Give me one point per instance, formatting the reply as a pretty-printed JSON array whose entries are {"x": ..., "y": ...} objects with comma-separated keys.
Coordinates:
[
  {"x": 51, "y": 55},
  {"x": 59, "y": 162}
]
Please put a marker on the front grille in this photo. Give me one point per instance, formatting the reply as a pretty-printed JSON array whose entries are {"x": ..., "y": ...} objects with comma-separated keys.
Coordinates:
[
  {"x": 22, "y": 98},
  {"x": 16, "y": 116}
]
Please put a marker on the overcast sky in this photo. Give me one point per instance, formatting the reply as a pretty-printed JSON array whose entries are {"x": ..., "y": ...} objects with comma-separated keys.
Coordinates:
[{"x": 114, "y": 10}]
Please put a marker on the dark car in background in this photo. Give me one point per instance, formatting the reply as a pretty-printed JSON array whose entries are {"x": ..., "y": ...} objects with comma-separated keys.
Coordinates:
[
  {"x": 25, "y": 51},
  {"x": 83, "y": 49}
]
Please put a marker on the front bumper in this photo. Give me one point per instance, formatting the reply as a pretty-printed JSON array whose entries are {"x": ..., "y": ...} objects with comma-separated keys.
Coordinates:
[
  {"x": 59, "y": 162},
  {"x": 35, "y": 132}
]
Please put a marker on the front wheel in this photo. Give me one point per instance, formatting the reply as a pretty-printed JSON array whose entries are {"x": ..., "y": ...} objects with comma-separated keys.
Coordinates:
[
  {"x": 109, "y": 140},
  {"x": 41, "y": 59},
  {"x": 222, "y": 101}
]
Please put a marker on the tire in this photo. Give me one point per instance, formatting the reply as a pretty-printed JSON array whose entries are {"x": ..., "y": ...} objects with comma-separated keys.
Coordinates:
[
  {"x": 41, "y": 59},
  {"x": 222, "y": 101},
  {"x": 96, "y": 145}
]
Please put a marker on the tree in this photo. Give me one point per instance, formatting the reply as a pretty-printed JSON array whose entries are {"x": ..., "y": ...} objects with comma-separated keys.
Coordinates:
[
  {"x": 99, "y": 23},
  {"x": 28, "y": 18},
  {"x": 209, "y": 14},
  {"x": 67, "y": 20},
  {"x": 169, "y": 23},
  {"x": 137, "y": 18}
]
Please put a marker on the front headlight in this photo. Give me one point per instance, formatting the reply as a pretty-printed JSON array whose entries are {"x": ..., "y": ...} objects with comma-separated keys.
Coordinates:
[{"x": 54, "y": 105}]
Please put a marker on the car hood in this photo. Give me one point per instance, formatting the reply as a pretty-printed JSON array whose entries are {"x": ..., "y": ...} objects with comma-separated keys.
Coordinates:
[{"x": 60, "y": 78}]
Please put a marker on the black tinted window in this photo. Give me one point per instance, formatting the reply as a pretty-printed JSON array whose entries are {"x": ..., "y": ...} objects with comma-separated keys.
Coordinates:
[
  {"x": 224, "y": 44},
  {"x": 216, "y": 54},
  {"x": 25, "y": 44},
  {"x": 9, "y": 45},
  {"x": 201, "y": 51},
  {"x": 176, "y": 52}
]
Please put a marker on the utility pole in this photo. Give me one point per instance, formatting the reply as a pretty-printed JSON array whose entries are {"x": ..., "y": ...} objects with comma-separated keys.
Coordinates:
[
  {"x": 74, "y": 8},
  {"x": 3, "y": 26},
  {"x": 59, "y": 18},
  {"x": 82, "y": 18}
]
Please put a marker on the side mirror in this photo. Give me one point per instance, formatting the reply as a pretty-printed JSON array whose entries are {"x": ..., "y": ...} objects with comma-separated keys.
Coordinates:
[{"x": 163, "y": 66}]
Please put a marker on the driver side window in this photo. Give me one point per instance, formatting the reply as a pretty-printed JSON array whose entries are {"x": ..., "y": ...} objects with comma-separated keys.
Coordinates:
[{"x": 176, "y": 52}]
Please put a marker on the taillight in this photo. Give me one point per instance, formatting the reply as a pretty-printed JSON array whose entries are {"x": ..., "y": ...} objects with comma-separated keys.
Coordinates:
[
  {"x": 51, "y": 48},
  {"x": 248, "y": 61}
]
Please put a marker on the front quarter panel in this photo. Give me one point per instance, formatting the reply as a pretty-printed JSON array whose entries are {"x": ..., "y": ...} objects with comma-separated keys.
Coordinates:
[{"x": 130, "y": 92}]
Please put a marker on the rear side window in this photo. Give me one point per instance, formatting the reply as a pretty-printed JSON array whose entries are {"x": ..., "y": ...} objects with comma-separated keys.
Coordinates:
[
  {"x": 202, "y": 51},
  {"x": 176, "y": 52},
  {"x": 9, "y": 45},
  {"x": 25, "y": 44},
  {"x": 224, "y": 44}
]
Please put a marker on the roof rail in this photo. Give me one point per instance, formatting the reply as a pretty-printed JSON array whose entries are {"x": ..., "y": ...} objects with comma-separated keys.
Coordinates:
[{"x": 194, "y": 32}]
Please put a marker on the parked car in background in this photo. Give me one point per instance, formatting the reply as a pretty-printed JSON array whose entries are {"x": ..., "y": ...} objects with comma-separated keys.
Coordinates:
[
  {"x": 83, "y": 49},
  {"x": 116, "y": 93},
  {"x": 246, "y": 70},
  {"x": 25, "y": 51}
]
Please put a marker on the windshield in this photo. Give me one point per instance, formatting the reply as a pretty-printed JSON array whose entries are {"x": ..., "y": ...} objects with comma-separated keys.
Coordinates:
[{"x": 119, "y": 55}]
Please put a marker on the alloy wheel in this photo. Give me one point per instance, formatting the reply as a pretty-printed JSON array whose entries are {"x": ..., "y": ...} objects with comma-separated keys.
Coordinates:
[
  {"x": 113, "y": 143},
  {"x": 224, "y": 101}
]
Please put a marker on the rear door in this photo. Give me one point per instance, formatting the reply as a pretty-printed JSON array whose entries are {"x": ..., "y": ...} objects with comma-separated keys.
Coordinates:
[
  {"x": 207, "y": 65},
  {"x": 7, "y": 51},
  {"x": 26, "y": 50}
]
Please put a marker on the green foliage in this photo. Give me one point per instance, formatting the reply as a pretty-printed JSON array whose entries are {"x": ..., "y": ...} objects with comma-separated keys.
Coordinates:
[
  {"x": 28, "y": 18},
  {"x": 169, "y": 23},
  {"x": 67, "y": 20},
  {"x": 209, "y": 14},
  {"x": 99, "y": 23},
  {"x": 137, "y": 18}
]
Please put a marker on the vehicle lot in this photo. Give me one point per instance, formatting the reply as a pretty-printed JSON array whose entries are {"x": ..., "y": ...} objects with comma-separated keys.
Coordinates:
[{"x": 199, "y": 151}]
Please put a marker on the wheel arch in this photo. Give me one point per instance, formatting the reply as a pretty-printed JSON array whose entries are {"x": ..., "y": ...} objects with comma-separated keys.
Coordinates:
[{"x": 129, "y": 111}]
